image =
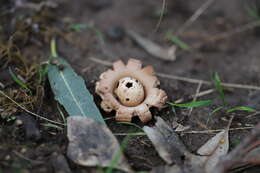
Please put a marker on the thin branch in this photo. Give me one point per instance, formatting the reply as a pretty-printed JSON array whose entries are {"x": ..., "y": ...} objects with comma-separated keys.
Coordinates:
[
  {"x": 216, "y": 130},
  {"x": 2, "y": 85},
  {"x": 161, "y": 15},
  {"x": 153, "y": 48},
  {"x": 24, "y": 109},
  {"x": 195, "y": 16},
  {"x": 228, "y": 34},
  {"x": 253, "y": 114},
  {"x": 195, "y": 97},
  {"x": 184, "y": 79},
  {"x": 200, "y": 94},
  {"x": 27, "y": 159}
]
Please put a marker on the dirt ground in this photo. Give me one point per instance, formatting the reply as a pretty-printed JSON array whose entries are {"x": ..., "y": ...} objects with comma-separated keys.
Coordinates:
[{"x": 235, "y": 57}]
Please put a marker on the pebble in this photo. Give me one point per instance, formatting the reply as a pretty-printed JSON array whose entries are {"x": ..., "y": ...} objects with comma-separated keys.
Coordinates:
[{"x": 115, "y": 32}]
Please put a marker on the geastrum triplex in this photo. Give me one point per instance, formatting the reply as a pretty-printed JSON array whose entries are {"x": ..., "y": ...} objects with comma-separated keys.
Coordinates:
[{"x": 130, "y": 90}]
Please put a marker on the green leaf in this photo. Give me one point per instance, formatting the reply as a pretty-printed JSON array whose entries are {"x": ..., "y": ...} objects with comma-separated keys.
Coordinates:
[
  {"x": 172, "y": 38},
  {"x": 213, "y": 112},
  {"x": 70, "y": 89},
  {"x": 18, "y": 81},
  {"x": 241, "y": 108},
  {"x": 193, "y": 104},
  {"x": 78, "y": 27},
  {"x": 217, "y": 83},
  {"x": 217, "y": 109}
]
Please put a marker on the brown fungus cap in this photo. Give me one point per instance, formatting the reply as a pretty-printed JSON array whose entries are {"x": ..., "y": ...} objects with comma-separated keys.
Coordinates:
[{"x": 113, "y": 84}]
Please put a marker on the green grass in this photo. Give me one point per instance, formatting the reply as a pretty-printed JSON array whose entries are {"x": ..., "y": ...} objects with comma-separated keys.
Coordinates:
[
  {"x": 240, "y": 108},
  {"x": 217, "y": 83},
  {"x": 221, "y": 95},
  {"x": 42, "y": 72},
  {"x": 11, "y": 118},
  {"x": 134, "y": 125},
  {"x": 226, "y": 107},
  {"x": 175, "y": 40},
  {"x": 193, "y": 104},
  {"x": 253, "y": 12},
  {"x": 77, "y": 27},
  {"x": 130, "y": 124},
  {"x": 118, "y": 155},
  {"x": 18, "y": 81},
  {"x": 53, "y": 47}
]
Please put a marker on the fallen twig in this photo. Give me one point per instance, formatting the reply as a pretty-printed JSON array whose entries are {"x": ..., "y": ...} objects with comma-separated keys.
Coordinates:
[
  {"x": 152, "y": 48},
  {"x": 28, "y": 159},
  {"x": 161, "y": 15},
  {"x": 227, "y": 34},
  {"x": 191, "y": 80},
  {"x": 200, "y": 94},
  {"x": 24, "y": 109},
  {"x": 185, "y": 79},
  {"x": 253, "y": 114},
  {"x": 216, "y": 130},
  {"x": 195, "y": 16},
  {"x": 35, "y": 6},
  {"x": 2, "y": 85},
  {"x": 195, "y": 97}
]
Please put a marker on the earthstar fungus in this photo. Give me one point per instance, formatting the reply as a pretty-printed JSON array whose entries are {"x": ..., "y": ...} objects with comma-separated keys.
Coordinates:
[{"x": 130, "y": 90}]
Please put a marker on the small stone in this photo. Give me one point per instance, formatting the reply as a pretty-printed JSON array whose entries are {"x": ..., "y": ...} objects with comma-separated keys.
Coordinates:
[
  {"x": 115, "y": 32},
  {"x": 18, "y": 122}
]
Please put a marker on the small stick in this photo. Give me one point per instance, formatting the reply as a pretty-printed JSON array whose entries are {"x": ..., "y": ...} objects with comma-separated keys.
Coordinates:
[
  {"x": 153, "y": 48},
  {"x": 216, "y": 130},
  {"x": 2, "y": 85},
  {"x": 109, "y": 118},
  {"x": 161, "y": 16},
  {"x": 195, "y": 16},
  {"x": 190, "y": 80},
  {"x": 129, "y": 134},
  {"x": 185, "y": 79},
  {"x": 27, "y": 159},
  {"x": 24, "y": 109},
  {"x": 253, "y": 114},
  {"x": 195, "y": 97},
  {"x": 200, "y": 94},
  {"x": 227, "y": 34}
]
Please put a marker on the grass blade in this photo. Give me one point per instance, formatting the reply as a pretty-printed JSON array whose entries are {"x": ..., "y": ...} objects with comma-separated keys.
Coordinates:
[
  {"x": 217, "y": 83},
  {"x": 77, "y": 27},
  {"x": 18, "y": 81},
  {"x": 241, "y": 108},
  {"x": 172, "y": 38},
  {"x": 130, "y": 124},
  {"x": 193, "y": 104},
  {"x": 118, "y": 155}
]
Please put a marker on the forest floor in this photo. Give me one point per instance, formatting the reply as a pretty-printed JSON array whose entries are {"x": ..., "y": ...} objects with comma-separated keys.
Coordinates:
[{"x": 223, "y": 39}]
